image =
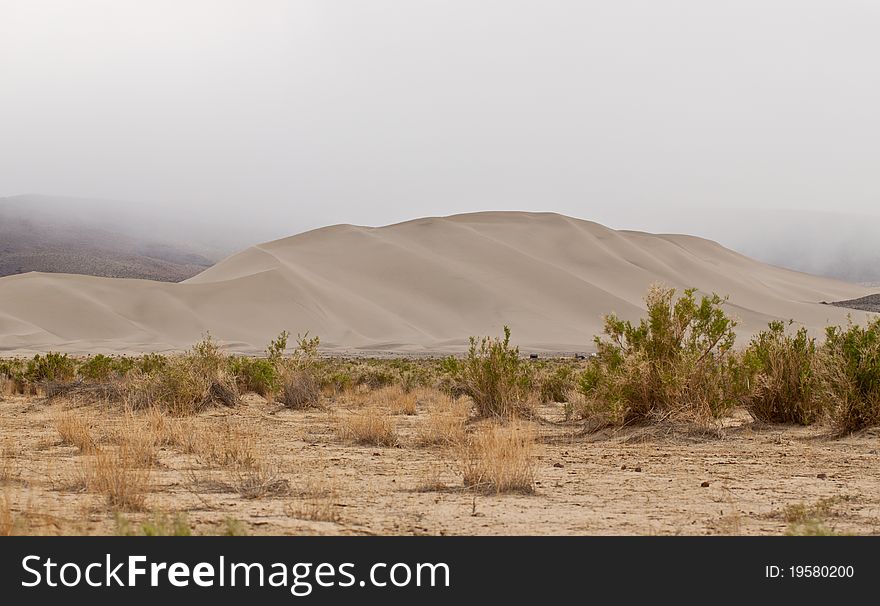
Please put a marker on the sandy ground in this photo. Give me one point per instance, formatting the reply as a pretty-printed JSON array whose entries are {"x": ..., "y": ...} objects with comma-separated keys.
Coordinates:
[{"x": 628, "y": 483}]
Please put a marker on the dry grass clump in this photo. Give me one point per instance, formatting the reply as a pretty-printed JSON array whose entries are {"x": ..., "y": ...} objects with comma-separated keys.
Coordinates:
[
  {"x": 445, "y": 422},
  {"x": 678, "y": 363},
  {"x": 396, "y": 400},
  {"x": 494, "y": 377},
  {"x": 300, "y": 390},
  {"x": 499, "y": 459},
  {"x": 139, "y": 440},
  {"x": 222, "y": 444},
  {"x": 317, "y": 499},
  {"x": 785, "y": 377},
  {"x": 371, "y": 425},
  {"x": 75, "y": 431},
  {"x": 119, "y": 476},
  {"x": 186, "y": 385},
  {"x": 261, "y": 480}
]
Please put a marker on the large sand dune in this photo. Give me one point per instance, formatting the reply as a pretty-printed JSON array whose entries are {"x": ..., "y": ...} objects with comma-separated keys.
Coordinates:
[{"x": 420, "y": 286}]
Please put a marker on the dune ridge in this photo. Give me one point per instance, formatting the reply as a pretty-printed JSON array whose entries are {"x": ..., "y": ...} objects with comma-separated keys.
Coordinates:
[{"x": 421, "y": 286}]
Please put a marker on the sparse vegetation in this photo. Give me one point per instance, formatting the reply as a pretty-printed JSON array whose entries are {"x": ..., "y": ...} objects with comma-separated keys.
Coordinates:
[
  {"x": 300, "y": 386},
  {"x": 75, "y": 431},
  {"x": 163, "y": 439},
  {"x": 158, "y": 524},
  {"x": 494, "y": 376},
  {"x": 397, "y": 400},
  {"x": 445, "y": 422},
  {"x": 499, "y": 459},
  {"x": 852, "y": 375},
  {"x": 117, "y": 475},
  {"x": 369, "y": 426},
  {"x": 784, "y": 377},
  {"x": 810, "y": 520},
  {"x": 187, "y": 384},
  {"x": 678, "y": 362}
]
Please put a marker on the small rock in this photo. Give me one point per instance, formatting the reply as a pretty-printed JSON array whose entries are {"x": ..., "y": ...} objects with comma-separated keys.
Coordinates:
[
  {"x": 638, "y": 468},
  {"x": 557, "y": 465},
  {"x": 377, "y": 454},
  {"x": 622, "y": 467},
  {"x": 821, "y": 476},
  {"x": 533, "y": 356},
  {"x": 704, "y": 485}
]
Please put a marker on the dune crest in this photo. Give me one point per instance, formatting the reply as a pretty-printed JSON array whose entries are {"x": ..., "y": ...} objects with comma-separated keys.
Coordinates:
[{"x": 419, "y": 286}]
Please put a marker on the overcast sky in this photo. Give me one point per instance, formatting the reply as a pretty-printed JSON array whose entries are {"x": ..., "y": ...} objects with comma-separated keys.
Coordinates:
[{"x": 285, "y": 115}]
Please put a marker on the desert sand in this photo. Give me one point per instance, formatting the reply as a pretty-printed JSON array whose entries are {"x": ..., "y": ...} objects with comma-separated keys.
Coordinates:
[
  {"x": 422, "y": 286},
  {"x": 746, "y": 479}
]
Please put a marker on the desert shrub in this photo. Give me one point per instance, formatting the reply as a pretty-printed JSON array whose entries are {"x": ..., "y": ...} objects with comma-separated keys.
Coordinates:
[
  {"x": 300, "y": 389},
  {"x": 677, "y": 362},
  {"x": 98, "y": 368},
  {"x": 152, "y": 363},
  {"x": 851, "y": 375},
  {"x": 12, "y": 375},
  {"x": 783, "y": 376},
  {"x": 338, "y": 381},
  {"x": 51, "y": 367},
  {"x": 262, "y": 376},
  {"x": 499, "y": 459},
  {"x": 553, "y": 386},
  {"x": 254, "y": 374},
  {"x": 494, "y": 376},
  {"x": 186, "y": 384},
  {"x": 374, "y": 377}
]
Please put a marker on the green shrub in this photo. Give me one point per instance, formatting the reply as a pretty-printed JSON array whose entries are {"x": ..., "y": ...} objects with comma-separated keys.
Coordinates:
[
  {"x": 98, "y": 368},
  {"x": 494, "y": 376},
  {"x": 51, "y": 367},
  {"x": 151, "y": 363},
  {"x": 337, "y": 380},
  {"x": 255, "y": 374},
  {"x": 851, "y": 372},
  {"x": 677, "y": 362},
  {"x": 555, "y": 385},
  {"x": 187, "y": 384},
  {"x": 375, "y": 378},
  {"x": 784, "y": 379}
]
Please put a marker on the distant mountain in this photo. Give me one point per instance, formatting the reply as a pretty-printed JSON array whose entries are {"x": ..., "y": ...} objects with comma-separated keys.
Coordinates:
[{"x": 97, "y": 238}]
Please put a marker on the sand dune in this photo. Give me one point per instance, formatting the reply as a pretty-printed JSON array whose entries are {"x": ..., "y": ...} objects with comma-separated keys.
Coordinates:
[{"x": 419, "y": 286}]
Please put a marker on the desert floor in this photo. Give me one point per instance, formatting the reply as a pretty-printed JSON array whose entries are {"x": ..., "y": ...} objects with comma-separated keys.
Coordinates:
[{"x": 306, "y": 479}]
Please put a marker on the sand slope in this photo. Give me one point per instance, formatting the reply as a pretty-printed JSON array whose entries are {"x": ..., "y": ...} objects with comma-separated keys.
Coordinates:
[{"x": 419, "y": 286}]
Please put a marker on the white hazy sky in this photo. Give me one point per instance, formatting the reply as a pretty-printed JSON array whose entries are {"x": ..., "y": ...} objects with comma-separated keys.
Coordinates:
[{"x": 285, "y": 115}]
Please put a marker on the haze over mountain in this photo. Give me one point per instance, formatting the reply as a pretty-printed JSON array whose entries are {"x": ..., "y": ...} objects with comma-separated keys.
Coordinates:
[
  {"x": 99, "y": 238},
  {"x": 419, "y": 286}
]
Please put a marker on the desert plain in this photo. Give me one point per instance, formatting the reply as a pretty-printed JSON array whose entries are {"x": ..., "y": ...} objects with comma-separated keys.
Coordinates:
[{"x": 213, "y": 442}]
